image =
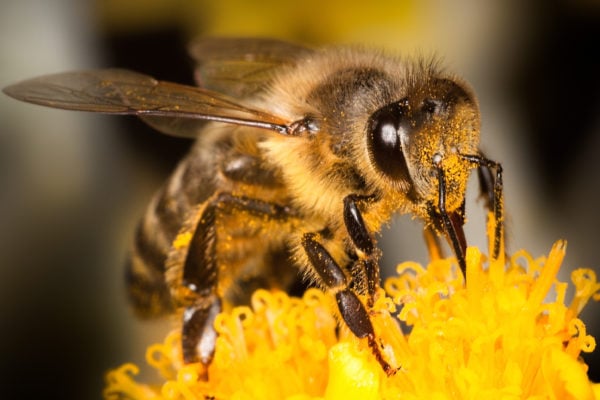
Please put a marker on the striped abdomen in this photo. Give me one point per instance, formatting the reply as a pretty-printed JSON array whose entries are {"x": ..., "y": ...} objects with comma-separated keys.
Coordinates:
[{"x": 145, "y": 271}]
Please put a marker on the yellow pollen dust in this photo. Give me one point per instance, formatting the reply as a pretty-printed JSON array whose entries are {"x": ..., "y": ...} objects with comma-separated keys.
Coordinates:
[{"x": 182, "y": 240}]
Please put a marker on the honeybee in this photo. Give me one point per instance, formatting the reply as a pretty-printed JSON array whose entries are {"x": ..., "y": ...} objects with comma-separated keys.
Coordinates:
[{"x": 301, "y": 155}]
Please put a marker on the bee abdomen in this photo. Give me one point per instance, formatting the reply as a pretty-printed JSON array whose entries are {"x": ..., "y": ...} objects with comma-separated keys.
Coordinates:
[
  {"x": 144, "y": 277},
  {"x": 145, "y": 272},
  {"x": 149, "y": 296}
]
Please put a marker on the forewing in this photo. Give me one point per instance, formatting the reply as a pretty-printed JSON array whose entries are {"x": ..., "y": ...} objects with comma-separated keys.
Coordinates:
[
  {"x": 240, "y": 67},
  {"x": 117, "y": 91}
]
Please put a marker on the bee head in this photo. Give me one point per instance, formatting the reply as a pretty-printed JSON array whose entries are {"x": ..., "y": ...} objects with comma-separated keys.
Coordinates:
[{"x": 409, "y": 140}]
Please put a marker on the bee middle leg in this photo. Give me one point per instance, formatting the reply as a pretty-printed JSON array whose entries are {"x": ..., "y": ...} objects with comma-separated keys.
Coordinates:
[
  {"x": 200, "y": 271},
  {"x": 332, "y": 275}
]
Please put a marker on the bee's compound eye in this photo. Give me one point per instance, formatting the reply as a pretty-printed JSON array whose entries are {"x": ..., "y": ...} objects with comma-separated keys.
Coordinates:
[{"x": 384, "y": 140}]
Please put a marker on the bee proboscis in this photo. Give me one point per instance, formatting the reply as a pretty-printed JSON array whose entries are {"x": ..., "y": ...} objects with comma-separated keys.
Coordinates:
[{"x": 301, "y": 155}]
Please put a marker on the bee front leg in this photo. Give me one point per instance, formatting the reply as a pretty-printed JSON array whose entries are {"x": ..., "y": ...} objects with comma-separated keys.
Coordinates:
[
  {"x": 361, "y": 238},
  {"x": 486, "y": 185},
  {"x": 491, "y": 188},
  {"x": 352, "y": 311},
  {"x": 200, "y": 270}
]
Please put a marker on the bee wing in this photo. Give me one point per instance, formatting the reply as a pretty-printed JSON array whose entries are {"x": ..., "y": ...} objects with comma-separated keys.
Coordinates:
[
  {"x": 241, "y": 66},
  {"x": 161, "y": 104}
]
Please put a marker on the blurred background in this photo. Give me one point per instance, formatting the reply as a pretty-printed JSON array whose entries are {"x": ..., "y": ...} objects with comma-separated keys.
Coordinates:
[{"x": 74, "y": 184}]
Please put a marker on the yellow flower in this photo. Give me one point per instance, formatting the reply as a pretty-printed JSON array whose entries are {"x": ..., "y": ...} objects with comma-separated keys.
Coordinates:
[{"x": 507, "y": 333}]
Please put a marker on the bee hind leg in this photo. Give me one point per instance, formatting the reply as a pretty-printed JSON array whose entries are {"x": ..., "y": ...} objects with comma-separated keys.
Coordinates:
[
  {"x": 198, "y": 333},
  {"x": 201, "y": 279},
  {"x": 200, "y": 271}
]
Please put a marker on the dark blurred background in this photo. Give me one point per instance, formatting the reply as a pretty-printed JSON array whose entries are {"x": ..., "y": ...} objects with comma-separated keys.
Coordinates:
[{"x": 74, "y": 184}]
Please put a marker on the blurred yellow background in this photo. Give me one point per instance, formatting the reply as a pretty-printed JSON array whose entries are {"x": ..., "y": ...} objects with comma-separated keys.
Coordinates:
[{"x": 74, "y": 184}]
